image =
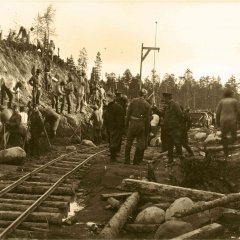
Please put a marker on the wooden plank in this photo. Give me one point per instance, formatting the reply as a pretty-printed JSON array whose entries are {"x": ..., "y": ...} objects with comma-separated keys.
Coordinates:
[
  {"x": 105, "y": 196},
  {"x": 152, "y": 188},
  {"x": 207, "y": 232}
]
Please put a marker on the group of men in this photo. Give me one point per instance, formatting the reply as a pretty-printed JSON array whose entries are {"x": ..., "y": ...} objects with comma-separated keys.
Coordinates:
[
  {"x": 134, "y": 120},
  {"x": 24, "y": 126}
]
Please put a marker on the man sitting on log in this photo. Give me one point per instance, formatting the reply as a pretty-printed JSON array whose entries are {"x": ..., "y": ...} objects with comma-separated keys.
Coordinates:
[{"x": 227, "y": 114}]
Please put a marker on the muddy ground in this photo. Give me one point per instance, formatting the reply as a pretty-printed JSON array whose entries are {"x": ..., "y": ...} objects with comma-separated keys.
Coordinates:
[{"x": 104, "y": 177}]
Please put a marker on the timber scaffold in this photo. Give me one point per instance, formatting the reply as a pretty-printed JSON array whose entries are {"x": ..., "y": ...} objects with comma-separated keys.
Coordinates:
[{"x": 33, "y": 200}]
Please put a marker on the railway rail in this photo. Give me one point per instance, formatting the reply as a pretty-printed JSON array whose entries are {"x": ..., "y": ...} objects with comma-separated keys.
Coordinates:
[{"x": 30, "y": 203}]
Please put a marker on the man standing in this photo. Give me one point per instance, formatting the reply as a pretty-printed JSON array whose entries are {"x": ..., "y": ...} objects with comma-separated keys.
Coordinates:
[
  {"x": 36, "y": 129},
  {"x": 35, "y": 82},
  {"x": 68, "y": 90},
  {"x": 226, "y": 117},
  {"x": 186, "y": 125},
  {"x": 173, "y": 119},
  {"x": 97, "y": 122},
  {"x": 13, "y": 127},
  {"x": 137, "y": 122},
  {"x": 114, "y": 122},
  {"x": 57, "y": 92}
]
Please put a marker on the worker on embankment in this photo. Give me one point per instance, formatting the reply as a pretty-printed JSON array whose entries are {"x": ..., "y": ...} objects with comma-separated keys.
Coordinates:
[
  {"x": 36, "y": 84},
  {"x": 36, "y": 129},
  {"x": 227, "y": 114},
  {"x": 52, "y": 118},
  {"x": 13, "y": 127}
]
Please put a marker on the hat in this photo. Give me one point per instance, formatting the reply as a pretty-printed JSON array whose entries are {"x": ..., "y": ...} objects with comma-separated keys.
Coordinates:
[
  {"x": 38, "y": 71},
  {"x": 109, "y": 95},
  {"x": 143, "y": 92},
  {"x": 118, "y": 94},
  {"x": 167, "y": 95}
]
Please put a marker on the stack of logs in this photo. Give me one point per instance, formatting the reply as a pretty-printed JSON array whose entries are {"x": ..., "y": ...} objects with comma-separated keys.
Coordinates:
[{"x": 222, "y": 207}]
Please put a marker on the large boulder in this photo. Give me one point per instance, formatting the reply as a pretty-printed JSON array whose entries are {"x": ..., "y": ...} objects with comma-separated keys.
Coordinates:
[
  {"x": 14, "y": 155},
  {"x": 200, "y": 136},
  {"x": 212, "y": 138},
  {"x": 151, "y": 215},
  {"x": 181, "y": 204},
  {"x": 78, "y": 123},
  {"x": 156, "y": 142},
  {"x": 171, "y": 229}
]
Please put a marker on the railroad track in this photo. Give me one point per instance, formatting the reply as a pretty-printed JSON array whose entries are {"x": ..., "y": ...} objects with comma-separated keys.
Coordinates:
[{"x": 29, "y": 202}]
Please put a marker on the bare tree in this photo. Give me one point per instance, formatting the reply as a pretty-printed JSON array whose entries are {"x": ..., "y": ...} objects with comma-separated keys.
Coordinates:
[{"x": 43, "y": 24}]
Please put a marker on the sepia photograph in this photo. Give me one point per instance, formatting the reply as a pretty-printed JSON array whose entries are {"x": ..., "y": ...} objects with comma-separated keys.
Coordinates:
[{"x": 120, "y": 119}]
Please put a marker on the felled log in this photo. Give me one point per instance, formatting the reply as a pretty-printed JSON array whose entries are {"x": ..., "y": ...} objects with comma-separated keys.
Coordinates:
[
  {"x": 220, "y": 148},
  {"x": 25, "y": 234},
  {"x": 230, "y": 216},
  {"x": 19, "y": 196},
  {"x": 223, "y": 201},
  {"x": 114, "y": 203},
  {"x": 53, "y": 218},
  {"x": 156, "y": 198},
  {"x": 41, "y": 190},
  {"x": 113, "y": 227},
  {"x": 14, "y": 207},
  {"x": 49, "y": 204},
  {"x": 207, "y": 232},
  {"x": 14, "y": 155},
  {"x": 105, "y": 196},
  {"x": 141, "y": 228},
  {"x": 25, "y": 225},
  {"x": 171, "y": 191}
]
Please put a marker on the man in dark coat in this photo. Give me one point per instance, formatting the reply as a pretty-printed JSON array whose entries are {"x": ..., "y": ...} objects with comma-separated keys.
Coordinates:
[
  {"x": 173, "y": 119},
  {"x": 114, "y": 122},
  {"x": 186, "y": 125},
  {"x": 36, "y": 83},
  {"x": 138, "y": 123},
  {"x": 36, "y": 129}
]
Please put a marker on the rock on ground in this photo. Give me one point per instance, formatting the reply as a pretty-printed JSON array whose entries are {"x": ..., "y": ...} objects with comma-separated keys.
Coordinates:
[
  {"x": 151, "y": 215},
  {"x": 200, "y": 136},
  {"x": 212, "y": 138},
  {"x": 181, "y": 204},
  {"x": 88, "y": 143},
  {"x": 171, "y": 229},
  {"x": 14, "y": 155}
]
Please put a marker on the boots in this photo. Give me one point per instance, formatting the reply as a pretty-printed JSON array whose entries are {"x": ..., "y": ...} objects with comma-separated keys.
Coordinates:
[{"x": 138, "y": 156}]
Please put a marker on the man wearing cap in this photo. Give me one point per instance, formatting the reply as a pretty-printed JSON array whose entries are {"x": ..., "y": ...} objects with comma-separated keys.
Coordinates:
[
  {"x": 227, "y": 115},
  {"x": 114, "y": 123},
  {"x": 35, "y": 82},
  {"x": 137, "y": 122},
  {"x": 173, "y": 118}
]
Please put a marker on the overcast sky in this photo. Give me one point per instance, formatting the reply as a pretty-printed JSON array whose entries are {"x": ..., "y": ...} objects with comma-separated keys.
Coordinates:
[{"x": 201, "y": 35}]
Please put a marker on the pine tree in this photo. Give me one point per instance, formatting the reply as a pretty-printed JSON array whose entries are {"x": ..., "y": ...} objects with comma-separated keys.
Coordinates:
[
  {"x": 82, "y": 60},
  {"x": 98, "y": 66}
]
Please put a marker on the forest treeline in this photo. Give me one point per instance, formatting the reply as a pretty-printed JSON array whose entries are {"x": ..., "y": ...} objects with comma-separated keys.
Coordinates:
[{"x": 203, "y": 93}]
